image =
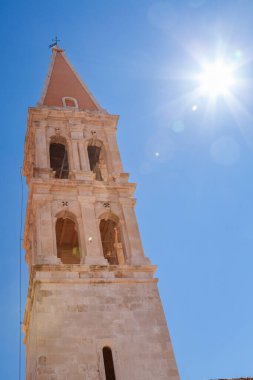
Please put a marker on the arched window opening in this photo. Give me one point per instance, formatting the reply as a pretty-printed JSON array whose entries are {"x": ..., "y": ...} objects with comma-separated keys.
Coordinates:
[
  {"x": 69, "y": 102},
  {"x": 68, "y": 249},
  {"x": 59, "y": 160},
  {"x": 94, "y": 153},
  {"x": 110, "y": 237},
  {"x": 108, "y": 363}
]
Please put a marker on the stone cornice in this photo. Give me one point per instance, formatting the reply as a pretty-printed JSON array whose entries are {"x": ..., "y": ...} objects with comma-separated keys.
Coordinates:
[
  {"x": 79, "y": 268},
  {"x": 43, "y": 113},
  {"x": 59, "y": 184}
]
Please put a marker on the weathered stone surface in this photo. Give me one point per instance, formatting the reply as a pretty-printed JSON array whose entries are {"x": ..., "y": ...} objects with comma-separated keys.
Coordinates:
[{"x": 78, "y": 319}]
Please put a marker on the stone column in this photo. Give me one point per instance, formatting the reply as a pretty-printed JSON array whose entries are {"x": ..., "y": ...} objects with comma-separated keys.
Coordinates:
[
  {"x": 75, "y": 155},
  {"x": 137, "y": 256},
  {"x": 120, "y": 253},
  {"x": 85, "y": 145},
  {"x": 94, "y": 252},
  {"x": 83, "y": 157}
]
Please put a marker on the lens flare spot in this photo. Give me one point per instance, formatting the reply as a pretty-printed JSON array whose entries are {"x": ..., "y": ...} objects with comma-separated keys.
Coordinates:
[
  {"x": 194, "y": 107},
  {"x": 238, "y": 54},
  {"x": 178, "y": 126},
  {"x": 160, "y": 147}
]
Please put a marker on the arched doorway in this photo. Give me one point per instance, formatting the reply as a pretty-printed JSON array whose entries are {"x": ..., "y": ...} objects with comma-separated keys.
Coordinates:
[{"x": 68, "y": 248}]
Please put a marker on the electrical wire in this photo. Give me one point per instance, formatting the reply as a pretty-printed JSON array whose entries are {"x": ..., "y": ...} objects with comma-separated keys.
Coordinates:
[{"x": 20, "y": 275}]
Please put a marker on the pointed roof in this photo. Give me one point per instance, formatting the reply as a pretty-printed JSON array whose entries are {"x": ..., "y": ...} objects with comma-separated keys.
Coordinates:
[{"x": 62, "y": 81}]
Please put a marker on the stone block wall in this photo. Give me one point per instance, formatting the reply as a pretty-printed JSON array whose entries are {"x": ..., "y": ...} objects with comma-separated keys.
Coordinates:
[{"x": 71, "y": 322}]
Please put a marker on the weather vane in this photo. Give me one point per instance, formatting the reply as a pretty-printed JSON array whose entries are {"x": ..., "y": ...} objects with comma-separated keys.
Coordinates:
[{"x": 55, "y": 42}]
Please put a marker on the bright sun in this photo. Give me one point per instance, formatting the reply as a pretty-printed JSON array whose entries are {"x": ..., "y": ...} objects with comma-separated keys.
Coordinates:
[{"x": 216, "y": 78}]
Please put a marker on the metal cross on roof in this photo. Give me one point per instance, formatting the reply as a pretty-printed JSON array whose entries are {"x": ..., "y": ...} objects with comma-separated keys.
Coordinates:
[{"x": 55, "y": 42}]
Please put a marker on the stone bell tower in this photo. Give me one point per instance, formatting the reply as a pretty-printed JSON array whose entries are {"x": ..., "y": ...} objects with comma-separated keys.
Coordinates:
[{"x": 93, "y": 310}]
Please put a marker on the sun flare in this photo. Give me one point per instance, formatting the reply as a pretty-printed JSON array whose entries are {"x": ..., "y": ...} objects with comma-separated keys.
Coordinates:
[{"x": 216, "y": 79}]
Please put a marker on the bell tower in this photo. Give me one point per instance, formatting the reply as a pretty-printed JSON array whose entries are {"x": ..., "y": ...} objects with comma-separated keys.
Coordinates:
[{"x": 93, "y": 310}]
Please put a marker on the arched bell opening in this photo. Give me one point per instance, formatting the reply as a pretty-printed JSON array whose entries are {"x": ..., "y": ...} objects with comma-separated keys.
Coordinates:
[
  {"x": 97, "y": 160},
  {"x": 67, "y": 241},
  {"x": 111, "y": 241},
  {"x": 59, "y": 160},
  {"x": 108, "y": 363}
]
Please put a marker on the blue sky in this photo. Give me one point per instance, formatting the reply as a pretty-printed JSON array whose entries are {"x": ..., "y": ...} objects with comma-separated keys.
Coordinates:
[{"x": 193, "y": 169}]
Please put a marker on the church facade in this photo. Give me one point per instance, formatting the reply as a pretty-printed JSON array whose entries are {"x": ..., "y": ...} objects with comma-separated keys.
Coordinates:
[{"x": 93, "y": 309}]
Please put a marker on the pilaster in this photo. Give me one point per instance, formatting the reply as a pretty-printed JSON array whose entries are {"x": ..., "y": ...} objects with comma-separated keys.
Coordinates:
[
  {"x": 114, "y": 151},
  {"x": 137, "y": 255},
  {"x": 76, "y": 155},
  {"x": 94, "y": 252},
  {"x": 41, "y": 145},
  {"x": 82, "y": 148},
  {"x": 45, "y": 239}
]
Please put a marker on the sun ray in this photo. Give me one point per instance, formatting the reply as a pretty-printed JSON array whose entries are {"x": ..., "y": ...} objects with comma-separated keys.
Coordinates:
[{"x": 242, "y": 116}]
